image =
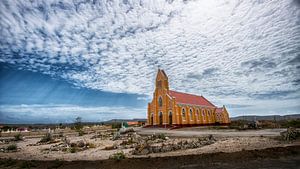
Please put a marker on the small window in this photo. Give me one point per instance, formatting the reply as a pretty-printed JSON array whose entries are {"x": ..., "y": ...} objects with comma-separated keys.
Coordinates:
[
  {"x": 160, "y": 102},
  {"x": 191, "y": 114},
  {"x": 183, "y": 113},
  {"x": 203, "y": 115},
  {"x": 197, "y": 114}
]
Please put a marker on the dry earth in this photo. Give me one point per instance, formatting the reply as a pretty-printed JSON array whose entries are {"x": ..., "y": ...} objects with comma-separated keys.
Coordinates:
[{"x": 226, "y": 141}]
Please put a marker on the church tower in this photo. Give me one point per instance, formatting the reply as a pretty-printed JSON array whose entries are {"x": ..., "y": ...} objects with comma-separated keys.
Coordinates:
[{"x": 162, "y": 81}]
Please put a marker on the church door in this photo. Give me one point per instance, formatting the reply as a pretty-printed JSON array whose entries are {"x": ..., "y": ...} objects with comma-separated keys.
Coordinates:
[
  {"x": 160, "y": 118},
  {"x": 170, "y": 118}
]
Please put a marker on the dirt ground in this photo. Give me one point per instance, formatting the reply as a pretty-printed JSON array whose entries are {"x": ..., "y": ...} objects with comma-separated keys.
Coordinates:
[
  {"x": 227, "y": 141},
  {"x": 271, "y": 158},
  {"x": 227, "y": 148}
]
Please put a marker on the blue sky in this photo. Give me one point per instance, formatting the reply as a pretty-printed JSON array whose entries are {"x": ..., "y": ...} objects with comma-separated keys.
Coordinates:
[{"x": 98, "y": 60}]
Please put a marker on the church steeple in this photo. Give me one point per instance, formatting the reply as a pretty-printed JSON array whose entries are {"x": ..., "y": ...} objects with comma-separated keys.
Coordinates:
[{"x": 162, "y": 80}]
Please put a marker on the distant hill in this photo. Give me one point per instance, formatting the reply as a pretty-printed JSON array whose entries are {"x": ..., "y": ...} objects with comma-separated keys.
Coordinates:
[
  {"x": 270, "y": 117},
  {"x": 123, "y": 120}
]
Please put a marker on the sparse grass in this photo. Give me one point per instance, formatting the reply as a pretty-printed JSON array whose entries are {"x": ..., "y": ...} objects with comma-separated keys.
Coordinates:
[
  {"x": 118, "y": 156},
  {"x": 12, "y": 147}
]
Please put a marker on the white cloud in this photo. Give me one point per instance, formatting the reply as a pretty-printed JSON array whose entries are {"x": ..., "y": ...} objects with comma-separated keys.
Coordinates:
[{"x": 221, "y": 49}]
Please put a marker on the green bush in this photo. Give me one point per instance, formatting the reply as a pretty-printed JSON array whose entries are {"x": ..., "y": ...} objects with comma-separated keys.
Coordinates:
[
  {"x": 116, "y": 125},
  {"x": 118, "y": 156},
  {"x": 12, "y": 147},
  {"x": 292, "y": 123},
  {"x": 18, "y": 137},
  {"x": 46, "y": 138},
  {"x": 80, "y": 133},
  {"x": 78, "y": 124},
  {"x": 162, "y": 136},
  {"x": 73, "y": 150}
]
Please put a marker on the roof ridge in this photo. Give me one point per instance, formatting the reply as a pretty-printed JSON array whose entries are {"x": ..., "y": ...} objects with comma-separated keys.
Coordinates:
[{"x": 185, "y": 93}]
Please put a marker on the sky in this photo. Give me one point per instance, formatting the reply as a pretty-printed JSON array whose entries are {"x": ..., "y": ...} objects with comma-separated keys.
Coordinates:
[{"x": 98, "y": 59}]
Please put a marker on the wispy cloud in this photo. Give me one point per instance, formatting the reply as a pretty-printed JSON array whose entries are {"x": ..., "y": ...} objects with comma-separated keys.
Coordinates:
[{"x": 221, "y": 49}]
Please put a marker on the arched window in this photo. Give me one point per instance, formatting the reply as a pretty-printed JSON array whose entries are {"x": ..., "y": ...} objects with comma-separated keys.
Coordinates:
[
  {"x": 203, "y": 115},
  {"x": 183, "y": 113},
  {"x": 160, "y": 102},
  {"x": 191, "y": 114},
  {"x": 197, "y": 114}
]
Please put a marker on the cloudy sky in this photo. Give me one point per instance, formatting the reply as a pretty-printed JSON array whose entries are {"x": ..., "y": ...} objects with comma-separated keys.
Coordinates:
[{"x": 98, "y": 59}]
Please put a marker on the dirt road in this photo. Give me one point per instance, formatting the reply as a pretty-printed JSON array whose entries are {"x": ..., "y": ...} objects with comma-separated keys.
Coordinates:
[{"x": 203, "y": 132}]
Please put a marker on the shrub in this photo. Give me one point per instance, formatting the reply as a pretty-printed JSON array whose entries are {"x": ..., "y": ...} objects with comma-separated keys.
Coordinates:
[
  {"x": 118, "y": 156},
  {"x": 18, "y": 137},
  {"x": 116, "y": 125},
  {"x": 162, "y": 136},
  {"x": 46, "y": 138},
  {"x": 80, "y": 133},
  {"x": 291, "y": 123},
  {"x": 12, "y": 147},
  {"x": 78, "y": 124},
  {"x": 73, "y": 150}
]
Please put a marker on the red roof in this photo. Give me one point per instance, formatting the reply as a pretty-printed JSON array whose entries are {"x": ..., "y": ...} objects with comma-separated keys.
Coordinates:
[{"x": 186, "y": 98}]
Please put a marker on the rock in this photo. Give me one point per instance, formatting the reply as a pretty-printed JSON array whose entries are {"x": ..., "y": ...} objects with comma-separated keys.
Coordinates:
[{"x": 144, "y": 152}]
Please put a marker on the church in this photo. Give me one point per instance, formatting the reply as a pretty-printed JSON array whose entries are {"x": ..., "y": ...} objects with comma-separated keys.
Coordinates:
[{"x": 172, "y": 108}]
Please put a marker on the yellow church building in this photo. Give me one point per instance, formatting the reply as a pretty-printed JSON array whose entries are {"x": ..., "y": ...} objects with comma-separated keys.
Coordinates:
[{"x": 174, "y": 108}]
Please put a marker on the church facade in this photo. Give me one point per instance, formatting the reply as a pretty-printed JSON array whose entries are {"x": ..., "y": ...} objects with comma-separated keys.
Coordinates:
[{"x": 174, "y": 108}]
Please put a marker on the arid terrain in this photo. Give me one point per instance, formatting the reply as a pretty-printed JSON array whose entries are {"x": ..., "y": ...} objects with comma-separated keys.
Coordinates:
[{"x": 220, "y": 148}]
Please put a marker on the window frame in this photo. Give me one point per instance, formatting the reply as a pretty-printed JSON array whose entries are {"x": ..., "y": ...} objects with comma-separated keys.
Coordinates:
[
  {"x": 191, "y": 114},
  {"x": 160, "y": 101},
  {"x": 183, "y": 115}
]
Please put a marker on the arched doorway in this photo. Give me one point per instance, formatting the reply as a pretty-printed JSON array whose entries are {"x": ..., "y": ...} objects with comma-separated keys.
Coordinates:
[
  {"x": 170, "y": 118},
  {"x": 151, "y": 119},
  {"x": 160, "y": 118}
]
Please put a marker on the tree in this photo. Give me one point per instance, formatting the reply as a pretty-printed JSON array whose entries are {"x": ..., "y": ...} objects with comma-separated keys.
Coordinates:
[{"x": 78, "y": 123}]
